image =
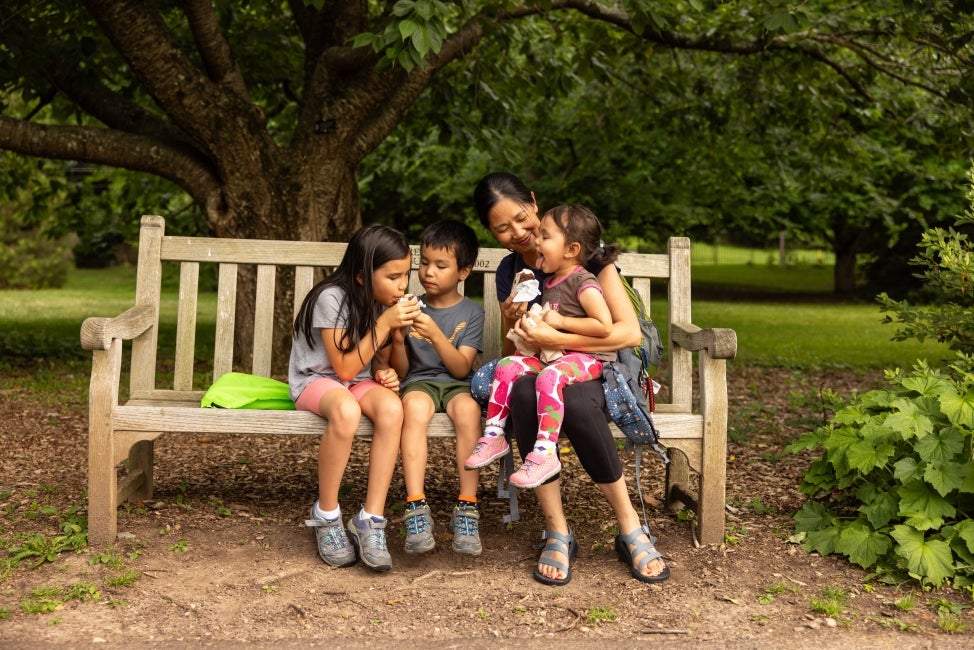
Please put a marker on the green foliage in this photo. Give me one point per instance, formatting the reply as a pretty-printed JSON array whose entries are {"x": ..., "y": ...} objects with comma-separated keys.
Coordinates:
[
  {"x": 28, "y": 259},
  {"x": 894, "y": 487},
  {"x": 38, "y": 548},
  {"x": 417, "y": 28},
  {"x": 947, "y": 264}
]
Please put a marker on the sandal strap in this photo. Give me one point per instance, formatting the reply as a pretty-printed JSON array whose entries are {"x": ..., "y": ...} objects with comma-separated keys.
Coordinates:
[
  {"x": 555, "y": 542},
  {"x": 560, "y": 537},
  {"x": 647, "y": 549}
]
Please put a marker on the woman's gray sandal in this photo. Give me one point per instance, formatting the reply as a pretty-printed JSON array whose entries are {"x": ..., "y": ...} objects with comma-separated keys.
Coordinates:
[
  {"x": 645, "y": 549},
  {"x": 556, "y": 543}
]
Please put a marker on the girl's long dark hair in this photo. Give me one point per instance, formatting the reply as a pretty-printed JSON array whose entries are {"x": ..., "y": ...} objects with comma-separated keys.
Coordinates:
[{"x": 368, "y": 249}]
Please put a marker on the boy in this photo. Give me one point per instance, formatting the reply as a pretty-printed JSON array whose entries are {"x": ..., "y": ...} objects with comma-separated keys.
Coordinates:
[{"x": 435, "y": 359}]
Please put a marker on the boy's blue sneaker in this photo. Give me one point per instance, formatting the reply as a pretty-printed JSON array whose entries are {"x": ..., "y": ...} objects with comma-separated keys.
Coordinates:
[
  {"x": 466, "y": 530},
  {"x": 369, "y": 537},
  {"x": 333, "y": 546},
  {"x": 419, "y": 529}
]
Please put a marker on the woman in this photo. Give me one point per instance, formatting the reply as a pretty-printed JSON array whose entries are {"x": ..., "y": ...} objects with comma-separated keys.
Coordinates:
[{"x": 510, "y": 211}]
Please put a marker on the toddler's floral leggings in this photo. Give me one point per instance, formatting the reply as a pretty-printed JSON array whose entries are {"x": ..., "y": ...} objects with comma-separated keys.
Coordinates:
[{"x": 571, "y": 368}]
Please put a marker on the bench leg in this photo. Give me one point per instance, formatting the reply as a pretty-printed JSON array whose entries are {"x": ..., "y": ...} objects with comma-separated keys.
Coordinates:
[
  {"x": 102, "y": 484},
  {"x": 677, "y": 480},
  {"x": 141, "y": 456},
  {"x": 713, "y": 466}
]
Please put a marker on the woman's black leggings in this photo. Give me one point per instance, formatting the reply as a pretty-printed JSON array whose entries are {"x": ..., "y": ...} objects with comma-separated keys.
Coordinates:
[{"x": 585, "y": 425}]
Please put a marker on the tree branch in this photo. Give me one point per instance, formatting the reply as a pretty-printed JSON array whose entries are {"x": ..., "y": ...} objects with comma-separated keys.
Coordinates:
[
  {"x": 791, "y": 42},
  {"x": 109, "y": 107},
  {"x": 872, "y": 58},
  {"x": 115, "y": 148},
  {"x": 213, "y": 48},
  {"x": 182, "y": 91},
  {"x": 404, "y": 91}
]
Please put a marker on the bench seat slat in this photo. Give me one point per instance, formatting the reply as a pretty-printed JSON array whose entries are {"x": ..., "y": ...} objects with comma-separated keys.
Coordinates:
[{"x": 186, "y": 416}]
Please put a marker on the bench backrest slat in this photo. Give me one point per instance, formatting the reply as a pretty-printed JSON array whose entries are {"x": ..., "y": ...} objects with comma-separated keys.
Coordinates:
[
  {"x": 264, "y": 320},
  {"x": 189, "y": 277},
  {"x": 147, "y": 289},
  {"x": 681, "y": 360},
  {"x": 304, "y": 279},
  {"x": 226, "y": 311}
]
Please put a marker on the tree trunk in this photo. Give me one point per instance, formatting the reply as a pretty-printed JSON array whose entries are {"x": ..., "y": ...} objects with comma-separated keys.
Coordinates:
[
  {"x": 316, "y": 202},
  {"x": 845, "y": 272},
  {"x": 845, "y": 243}
]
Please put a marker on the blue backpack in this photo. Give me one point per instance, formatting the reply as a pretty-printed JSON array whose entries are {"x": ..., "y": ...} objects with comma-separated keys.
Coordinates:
[{"x": 629, "y": 390}]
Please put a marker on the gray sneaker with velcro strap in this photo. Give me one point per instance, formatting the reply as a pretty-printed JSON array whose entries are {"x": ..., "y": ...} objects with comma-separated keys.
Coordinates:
[
  {"x": 333, "y": 546},
  {"x": 369, "y": 538},
  {"x": 466, "y": 531}
]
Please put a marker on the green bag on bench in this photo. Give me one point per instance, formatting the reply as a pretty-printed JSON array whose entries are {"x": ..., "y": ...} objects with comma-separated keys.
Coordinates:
[{"x": 238, "y": 390}]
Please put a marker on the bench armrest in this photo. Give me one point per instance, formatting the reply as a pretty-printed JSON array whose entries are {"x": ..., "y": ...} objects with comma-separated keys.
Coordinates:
[
  {"x": 98, "y": 333},
  {"x": 720, "y": 342}
]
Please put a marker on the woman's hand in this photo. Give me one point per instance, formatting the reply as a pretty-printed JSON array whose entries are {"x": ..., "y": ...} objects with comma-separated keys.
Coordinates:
[
  {"x": 387, "y": 378},
  {"x": 513, "y": 310}
]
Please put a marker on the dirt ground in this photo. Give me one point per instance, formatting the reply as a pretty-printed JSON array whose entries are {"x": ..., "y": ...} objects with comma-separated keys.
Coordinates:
[{"x": 221, "y": 557}]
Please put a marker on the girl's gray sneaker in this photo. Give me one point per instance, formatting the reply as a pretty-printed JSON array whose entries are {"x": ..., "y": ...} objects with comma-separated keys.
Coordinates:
[
  {"x": 369, "y": 537},
  {"x": 333, "y": 546}
]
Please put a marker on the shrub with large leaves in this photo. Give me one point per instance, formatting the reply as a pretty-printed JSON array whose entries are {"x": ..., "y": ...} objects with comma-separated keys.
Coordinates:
[{"x": 893, "y": 489}]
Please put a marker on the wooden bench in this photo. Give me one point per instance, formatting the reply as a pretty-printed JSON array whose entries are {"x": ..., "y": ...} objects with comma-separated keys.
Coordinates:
[{"x": 117, "y": 432}]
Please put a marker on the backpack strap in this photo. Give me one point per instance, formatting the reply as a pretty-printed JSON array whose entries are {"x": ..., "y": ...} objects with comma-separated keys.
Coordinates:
[{"x": 504, "y": 488}]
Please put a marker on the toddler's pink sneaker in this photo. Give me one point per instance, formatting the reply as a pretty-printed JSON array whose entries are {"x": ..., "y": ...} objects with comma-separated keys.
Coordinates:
[
  {"x": 487, "y": 450},
  {"x": 537, "y": 469}
]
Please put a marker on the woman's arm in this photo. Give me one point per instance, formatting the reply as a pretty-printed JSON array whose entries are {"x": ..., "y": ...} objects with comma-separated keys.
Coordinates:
[{"x": 625, "y": 325}]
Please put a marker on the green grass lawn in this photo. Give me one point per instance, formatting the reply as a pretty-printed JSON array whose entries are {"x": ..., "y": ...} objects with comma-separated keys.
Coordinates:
[
  {"x": 803, "y": 335},
  {"x": 46, "y": 323}
]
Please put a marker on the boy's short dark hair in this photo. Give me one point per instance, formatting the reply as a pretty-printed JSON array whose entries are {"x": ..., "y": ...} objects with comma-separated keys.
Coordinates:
[{"x": 455, "y": 236}]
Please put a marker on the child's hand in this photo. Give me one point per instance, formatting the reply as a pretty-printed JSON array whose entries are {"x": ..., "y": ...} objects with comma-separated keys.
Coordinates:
[
  {"x": 554, "y": 319},
  {"x": 387, "y": 378},
  {"x": 425, "y": 327},
  {"x": 399, "y": 336},
  {"x": 401, "y": 314}
]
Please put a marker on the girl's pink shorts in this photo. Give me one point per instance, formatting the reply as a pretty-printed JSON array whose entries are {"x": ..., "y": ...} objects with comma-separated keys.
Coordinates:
[{"x": 310, "y": 397}]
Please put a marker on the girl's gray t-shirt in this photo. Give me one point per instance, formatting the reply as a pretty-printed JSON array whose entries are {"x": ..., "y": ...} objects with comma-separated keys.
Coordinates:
[{"x": 309, "y": 362}]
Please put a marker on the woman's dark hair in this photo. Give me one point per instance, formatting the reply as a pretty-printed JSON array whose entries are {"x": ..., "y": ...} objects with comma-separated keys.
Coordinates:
[
  {"x": 582, "y": 227},
  {"x": 453, "y": 236},
  {"x": 496, "y": 187},
  {"x": 368, "y": 249}
]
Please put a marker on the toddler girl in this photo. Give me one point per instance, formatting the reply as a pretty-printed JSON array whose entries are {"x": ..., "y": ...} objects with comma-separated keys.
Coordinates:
[{"x": 569, "y": 236}]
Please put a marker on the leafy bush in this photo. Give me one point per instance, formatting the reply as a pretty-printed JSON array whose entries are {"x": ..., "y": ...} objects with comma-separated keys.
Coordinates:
[
  {"x": 894, "y": 487},
  {"x": 29, "y": 260}
]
